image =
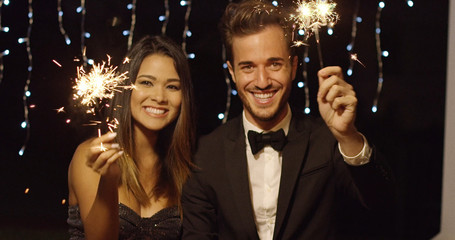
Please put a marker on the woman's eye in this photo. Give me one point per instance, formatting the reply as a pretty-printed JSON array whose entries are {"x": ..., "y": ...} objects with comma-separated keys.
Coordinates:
[
  {"x": 173, "y": 87},
  {"x": 145, "y": 83}
]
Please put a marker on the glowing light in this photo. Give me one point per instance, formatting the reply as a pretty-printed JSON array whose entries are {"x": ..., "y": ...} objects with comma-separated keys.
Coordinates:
[
  {"x": 129, "y": 6},
  {"x": 161, "y": 18},
  {"x": 349, "y": 47},
  {"x": 381, "y": 4},
  {"x": 191, "y": 55},
  {"x": 90, "y": 61},
  {"x": 358, "y": 19},
  {"x": 307, "y": 59},
  {"x": 24, "y": 124},
  {"x": 67, "y": 40},
  {"x": 21, "y": 40},
  {"x": 300, "y": 84},
  {"x": 183, "y": 3},
  {"x": 27, "y": 190},
  {"x": 234, "y": 92},
  {"x": 275, "y": 3},
  {"x": 307, "y": 110},
  {"x": 374, "y": 109},
  {"x": 21, "y": 152},
  {"x": 68, "y": 121},
  {"x": 100, "y": 83},
  {"x": 330, "y": 31},
  {"x": 63, "y": 201},
  {"x": 5, "y": 53},
  {"x": 79, "y": 9},
  {"x": 385, "y": 53},
  {"x": 189, "y": 33},
  {"x": 28, "y": 93},
  {"x": 6, "y": 2},
  {"x": 87, "y": 35},
  {"x": 126, "y": 32},
  {"x": 225, "y": 65},
  {"x": 301, "y": 32},
  {"x": 411, "y": 3},
  {"x": 5, "y": 29},
  {"x": 220, "y": 116},
  {"x": 349, "y": 72}
]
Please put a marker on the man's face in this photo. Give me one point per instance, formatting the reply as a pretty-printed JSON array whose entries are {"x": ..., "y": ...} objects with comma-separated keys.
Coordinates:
[{"x": 263, "y": 72}]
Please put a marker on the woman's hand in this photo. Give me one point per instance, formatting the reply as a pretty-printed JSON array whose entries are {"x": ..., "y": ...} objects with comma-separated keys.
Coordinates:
[{"x": 103, "y": 154}]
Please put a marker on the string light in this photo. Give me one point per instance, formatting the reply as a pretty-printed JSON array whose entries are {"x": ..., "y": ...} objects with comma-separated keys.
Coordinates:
[
  {"x": 132, "y": 6},
  {"x": 82, "y": 11},
  {"x": 355, "y": 19},
  {"x": 228, "y": 85},
  {"x": 26, "y": 123},
  {"x": 305, "y": 62},
  {"x": 165, "y": 18},
  {"x": 60, "y": 22},
  {"x": 185, "y": 29},
  {"x": 3, "y": 29},
  {"x": 379, "y": 52}
]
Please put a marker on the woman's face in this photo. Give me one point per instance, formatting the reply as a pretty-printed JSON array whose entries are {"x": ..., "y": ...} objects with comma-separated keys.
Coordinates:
[{"x": 157, "y": 96}]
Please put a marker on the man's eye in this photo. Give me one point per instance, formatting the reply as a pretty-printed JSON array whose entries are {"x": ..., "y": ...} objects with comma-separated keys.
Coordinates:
[
  {"x": 275, "y": 66},
  {"x": 247, "y": 68}
]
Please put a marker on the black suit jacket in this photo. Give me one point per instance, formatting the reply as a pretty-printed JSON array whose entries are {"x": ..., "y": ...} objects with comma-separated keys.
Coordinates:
[{"x": 216, "y": 198}]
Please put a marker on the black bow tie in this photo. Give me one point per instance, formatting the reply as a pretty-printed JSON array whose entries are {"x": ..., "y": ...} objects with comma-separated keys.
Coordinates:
[{"x": 258, "y": 140}]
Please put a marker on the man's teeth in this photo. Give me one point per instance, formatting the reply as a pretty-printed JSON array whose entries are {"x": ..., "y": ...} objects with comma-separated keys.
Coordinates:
[
  {"x": 263, "y": 95},
  {"x": 154, "y": 110}
]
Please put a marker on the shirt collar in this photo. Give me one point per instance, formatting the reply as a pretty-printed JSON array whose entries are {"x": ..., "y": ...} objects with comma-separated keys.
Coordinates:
[{"x": 284, "y": 123}]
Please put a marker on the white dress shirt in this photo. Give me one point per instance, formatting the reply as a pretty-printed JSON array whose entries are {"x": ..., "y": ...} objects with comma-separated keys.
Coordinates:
[{"x": 264, "y": 172}]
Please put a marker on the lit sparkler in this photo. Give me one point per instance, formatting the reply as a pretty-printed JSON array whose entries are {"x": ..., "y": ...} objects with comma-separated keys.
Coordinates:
[
  {"x": 100, "y": 83},
  {"x": 313, "y": 15}
]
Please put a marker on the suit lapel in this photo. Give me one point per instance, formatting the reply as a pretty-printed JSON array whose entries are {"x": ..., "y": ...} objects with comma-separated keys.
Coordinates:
[
  {"x": 293, "y": 159},
  {"x": 237, "y": 171}
]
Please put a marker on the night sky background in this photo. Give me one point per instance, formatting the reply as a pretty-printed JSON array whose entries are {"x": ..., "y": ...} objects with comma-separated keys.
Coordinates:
[{"x": 408, "y": 127}]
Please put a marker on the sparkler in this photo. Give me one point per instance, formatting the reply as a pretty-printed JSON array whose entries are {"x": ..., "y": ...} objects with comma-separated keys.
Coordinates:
[
  {"x": 92, "y": 88},
  {"x": 313, "y": 15},
  {"x": 98, "y": 84}
]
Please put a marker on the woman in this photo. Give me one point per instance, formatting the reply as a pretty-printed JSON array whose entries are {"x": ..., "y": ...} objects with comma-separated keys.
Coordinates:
[{"x": 132, "y": 189}]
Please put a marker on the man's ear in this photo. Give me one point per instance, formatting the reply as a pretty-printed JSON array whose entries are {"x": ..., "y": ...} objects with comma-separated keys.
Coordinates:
[
  {"x": 231, "y": 70},
  {"x": 294, "y": 62}
]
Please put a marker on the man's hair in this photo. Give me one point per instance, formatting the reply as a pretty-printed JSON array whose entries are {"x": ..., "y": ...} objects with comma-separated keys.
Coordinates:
[{"x": 250, "y": 17}]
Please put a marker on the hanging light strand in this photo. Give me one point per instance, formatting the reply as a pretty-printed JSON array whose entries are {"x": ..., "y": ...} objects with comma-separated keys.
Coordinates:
[
  {"x": 351, "y": 45},
  {"x": 381, "y": 5},
  {"x": 83, "y": 33},
  {"x": 133, "y": 23},
  {"x": 60, "y": 22},
  {"x": 186, "y": 32},
  {"x": 6, "y": 51},
  {"x": 305, "y": 79},
  {"x": 26, "y": 123},
  {"x": 165, "y": 19},
  {"x": 228, "y": 85}
]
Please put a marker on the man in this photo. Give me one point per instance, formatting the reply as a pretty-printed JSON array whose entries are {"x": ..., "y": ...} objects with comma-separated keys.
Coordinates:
[{"x": 279, "y": 190}]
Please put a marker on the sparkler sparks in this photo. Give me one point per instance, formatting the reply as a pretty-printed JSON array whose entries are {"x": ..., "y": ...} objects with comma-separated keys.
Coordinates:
[
  {"x": 355, "y": 58},
  {"x": 314, "y": 14},
  {"x": 100, "y": 83}
]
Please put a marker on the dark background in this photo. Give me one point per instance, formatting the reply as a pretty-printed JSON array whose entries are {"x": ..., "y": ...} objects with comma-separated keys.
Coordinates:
[{"x": 408, "y": 127}]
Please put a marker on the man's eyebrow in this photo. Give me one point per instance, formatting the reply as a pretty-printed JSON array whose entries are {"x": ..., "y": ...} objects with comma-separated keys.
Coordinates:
[{"x": 245, "y": 63}]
